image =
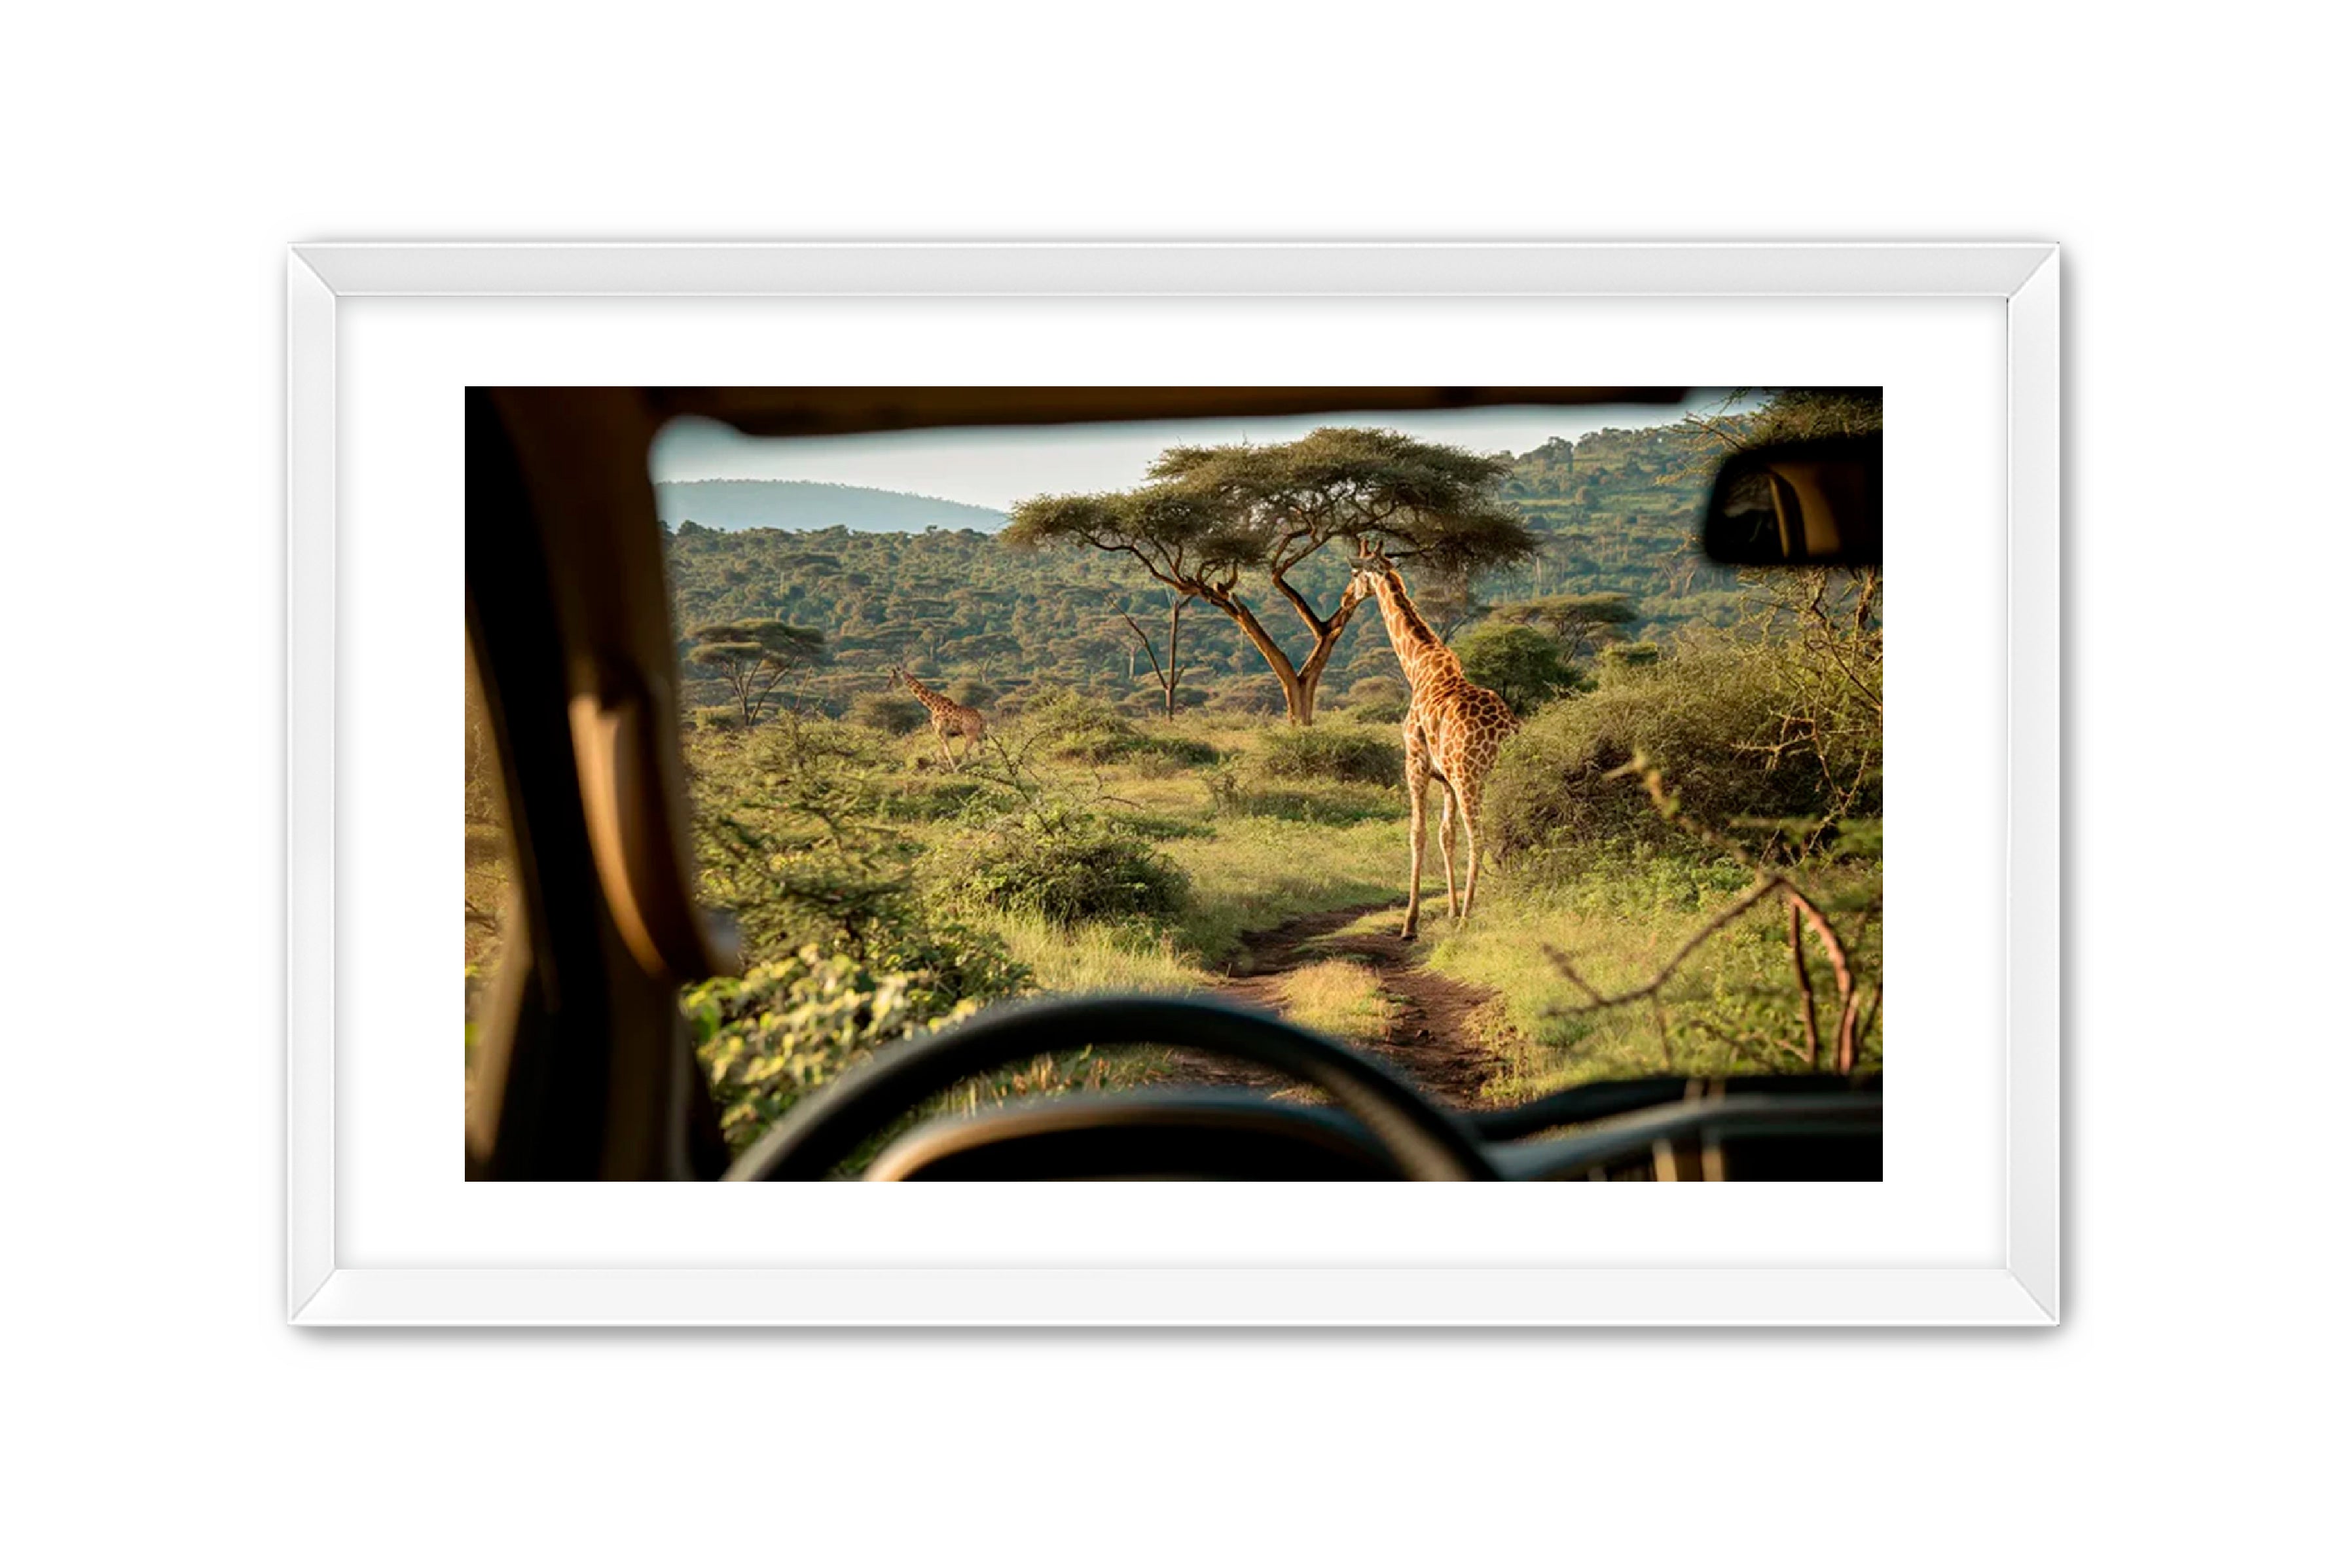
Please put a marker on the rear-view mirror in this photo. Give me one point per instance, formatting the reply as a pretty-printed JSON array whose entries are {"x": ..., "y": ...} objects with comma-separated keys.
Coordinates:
[{"x": 1798, "y": 502}]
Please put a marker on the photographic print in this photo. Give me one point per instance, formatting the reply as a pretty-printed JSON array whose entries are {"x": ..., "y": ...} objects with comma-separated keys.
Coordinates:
[{"x": 967, "y": 783}]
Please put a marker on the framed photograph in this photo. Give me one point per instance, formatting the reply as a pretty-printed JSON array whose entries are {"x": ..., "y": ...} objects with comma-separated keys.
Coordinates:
[{"x": 1174, "y": 784}]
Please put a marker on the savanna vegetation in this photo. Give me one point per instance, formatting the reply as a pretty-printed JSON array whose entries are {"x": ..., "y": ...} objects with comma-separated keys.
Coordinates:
[
  {"x": 1610, "y": 515},
  {"x": 1685, "y": 835}
]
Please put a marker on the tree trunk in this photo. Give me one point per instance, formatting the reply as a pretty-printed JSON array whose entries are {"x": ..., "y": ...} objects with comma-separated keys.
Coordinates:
[
  {"x": 1174, "y": 656},
  {"x": 1168, "y": 675},
  {"x": 1299, "y": 698},
  {"x": 1298, "y": 712},
  {"x": 1325, "y": 638},
  {"x": 1301, "y": 687},
  {"x": 1307, "y": 683}
]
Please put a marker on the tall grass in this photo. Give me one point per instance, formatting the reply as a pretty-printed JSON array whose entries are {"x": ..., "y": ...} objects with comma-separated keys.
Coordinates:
[
  {"x": 1337, "y": 997},
  {"x": 1083, "y": 853},
  {"x": 1727, "y": 1008},
  {"x": 1097, "y": 957},
  {"x": 1255, "y": 873}
]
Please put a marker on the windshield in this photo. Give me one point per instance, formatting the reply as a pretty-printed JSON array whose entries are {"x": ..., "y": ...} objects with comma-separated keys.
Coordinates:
[{"x": 1432, "y": 730}]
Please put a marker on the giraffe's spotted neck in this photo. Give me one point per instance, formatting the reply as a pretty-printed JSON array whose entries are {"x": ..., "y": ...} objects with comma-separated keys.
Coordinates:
[
  {"x": 1422, "y": 654},
  {"x": 921, "y": 694}
]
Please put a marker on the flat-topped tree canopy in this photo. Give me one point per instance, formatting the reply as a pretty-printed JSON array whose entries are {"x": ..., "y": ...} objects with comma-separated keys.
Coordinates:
[
  {"x": 1186, "y": 537},
  {"x": 1208, "y": 516},
  {"x": 1459, "y": 545},
  {"x": 1348, "y": 482},
  {"x": 752, "y": 657},
  {"x": 1579, "y": 621}
]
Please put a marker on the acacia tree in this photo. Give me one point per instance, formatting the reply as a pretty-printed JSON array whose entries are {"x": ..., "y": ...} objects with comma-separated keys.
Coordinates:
[
  {"x": 1792, "y": 413},
  {"x": 1169, "y": 673},
  {"x": 983, "y": 650},
  {"x": 1579, "y": 621},
  {"x": 752, "y": 657},
  {"x": 1447, "y": 603},
  {"x": 1211, "y": 517},
  {"x": 1525, "y": 667}
]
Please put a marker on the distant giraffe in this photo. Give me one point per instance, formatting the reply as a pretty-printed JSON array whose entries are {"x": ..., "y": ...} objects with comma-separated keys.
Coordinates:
[
  {"x": 1450, "y": 734},
  {"x": 948, "y": 718}
]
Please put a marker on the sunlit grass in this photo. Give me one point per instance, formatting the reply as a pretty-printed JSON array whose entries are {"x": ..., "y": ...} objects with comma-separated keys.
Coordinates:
[
  {"x": 1617, "y": 922},
  {"x": 1336, "y": 997},
  {"x": 1260, "y": 851},
  {"x": 1253, "y": 873},
  {"x": 1097, "y": 958},
  {"x": 1178, "y": 793}
]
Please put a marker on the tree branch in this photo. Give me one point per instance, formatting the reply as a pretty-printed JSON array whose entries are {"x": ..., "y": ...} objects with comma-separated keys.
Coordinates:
[
  {"x": 1801, "y": 978},
  {"x": 1845, "y": 1033},
  {"x": 1149, "y": 647},
  {"x": 1302, "y": 606},
  {"x": 1710, "y": 928}
]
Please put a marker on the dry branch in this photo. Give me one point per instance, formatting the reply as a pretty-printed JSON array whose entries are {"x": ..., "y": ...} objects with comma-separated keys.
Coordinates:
[
  {"x": 1710, "y": 928},
  {"x": 1801, "y": 978}
]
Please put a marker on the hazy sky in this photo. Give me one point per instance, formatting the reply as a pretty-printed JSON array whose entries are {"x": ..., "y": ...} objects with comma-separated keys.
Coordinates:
[{"x": 996, "y": 466}]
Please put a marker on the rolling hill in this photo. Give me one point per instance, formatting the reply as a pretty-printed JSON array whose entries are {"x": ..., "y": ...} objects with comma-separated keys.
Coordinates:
[
  {"x": 804, "y": 504},
  {"x": 1614, "y": 512}
]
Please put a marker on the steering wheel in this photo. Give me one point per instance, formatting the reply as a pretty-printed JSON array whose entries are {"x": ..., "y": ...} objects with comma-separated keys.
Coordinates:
[{"x": 1425, "y": 1143}]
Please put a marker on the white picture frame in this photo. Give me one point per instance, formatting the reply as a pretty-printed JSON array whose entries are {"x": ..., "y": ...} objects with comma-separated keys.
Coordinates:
[{"x": 2023, "y": 1291}]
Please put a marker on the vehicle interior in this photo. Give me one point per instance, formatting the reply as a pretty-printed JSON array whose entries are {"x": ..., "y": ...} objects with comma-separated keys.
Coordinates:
[{"x": 583, "y": 1069}]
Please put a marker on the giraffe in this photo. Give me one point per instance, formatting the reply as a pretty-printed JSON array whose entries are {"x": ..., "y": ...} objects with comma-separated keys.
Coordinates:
[
  {"x": 1450, "y": 736},
  {"x": 948, "y": 718}
]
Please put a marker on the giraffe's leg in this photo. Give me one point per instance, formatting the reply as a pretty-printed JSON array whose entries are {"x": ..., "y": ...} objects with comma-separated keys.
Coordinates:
[
  {"x": 1415, "y": 754},
  {"x": 946, "y": 752},
  {"x": 1471, "y": 805},
  {"x": 1449, "y": 874}
]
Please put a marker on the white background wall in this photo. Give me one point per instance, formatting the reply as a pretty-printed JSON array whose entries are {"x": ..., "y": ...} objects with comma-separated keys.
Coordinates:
[{"x": 158, "y": 160}]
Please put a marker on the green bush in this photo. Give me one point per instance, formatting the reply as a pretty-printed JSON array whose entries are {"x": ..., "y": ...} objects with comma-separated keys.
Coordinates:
[
  {"x": 795, "y": 832},
  {"x": 1249, "y": 696},
  {"x": 973, "y": 694},
  {"x": 886, "y": 713},
  {"x": 933, "y": 795},
  {"x": 1069, "y": 724},
  {"x": 1162, "y": 753},
  {"x": 1333, "y": 803},
  {"x": 1378, "y": 699},
  {"x": 1525, "y": 667},
  {"x": 1148, "y": 705},
  {"x": 1344, "y": 752},
  {"x": 1078, "y": 728},
  {"x": 1626, "y": 658},
  {"x": 1709, "y": 716},
  {"x": 954, "y": 962},
  {"x": 1058, "y": 863},
  {"x": 791, "y": 1026},
  {"x": 1185, "y": 697}
]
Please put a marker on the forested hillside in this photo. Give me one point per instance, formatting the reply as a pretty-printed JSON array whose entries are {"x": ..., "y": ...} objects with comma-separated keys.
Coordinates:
[{"x": 1614, "y": 513}]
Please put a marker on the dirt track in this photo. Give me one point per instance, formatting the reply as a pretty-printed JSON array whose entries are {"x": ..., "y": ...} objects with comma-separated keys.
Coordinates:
[{"x": 1427, "y": 1036}]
